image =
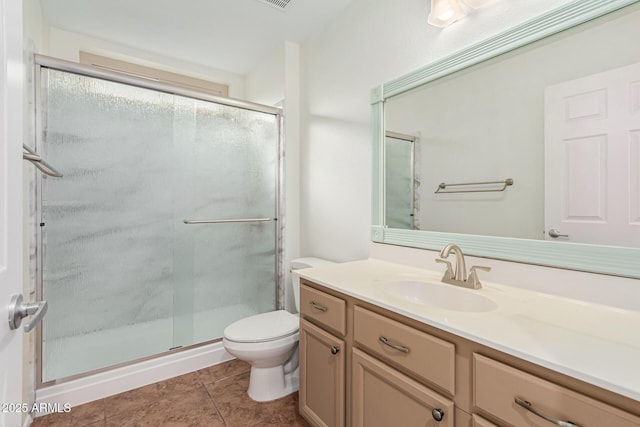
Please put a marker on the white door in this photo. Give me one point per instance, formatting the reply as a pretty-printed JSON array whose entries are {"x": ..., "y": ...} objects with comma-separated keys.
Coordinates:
[
  {"x": 592, "y": 159},
  {"x": 11, "y": 75}
]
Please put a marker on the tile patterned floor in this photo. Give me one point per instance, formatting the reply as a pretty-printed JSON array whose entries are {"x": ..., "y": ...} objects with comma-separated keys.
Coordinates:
[{"x": 215, "y": 396}]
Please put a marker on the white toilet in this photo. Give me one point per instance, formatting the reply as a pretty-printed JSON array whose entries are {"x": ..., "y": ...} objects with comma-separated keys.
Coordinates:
[{"x": 269, "y": 343}]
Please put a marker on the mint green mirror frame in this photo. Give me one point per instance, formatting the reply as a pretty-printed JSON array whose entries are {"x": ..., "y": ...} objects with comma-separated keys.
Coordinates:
[{"x": 609, "y": 260}]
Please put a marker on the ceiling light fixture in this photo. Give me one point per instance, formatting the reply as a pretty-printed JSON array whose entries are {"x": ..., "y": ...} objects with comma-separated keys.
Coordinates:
[{"x": 446, "y": 12}]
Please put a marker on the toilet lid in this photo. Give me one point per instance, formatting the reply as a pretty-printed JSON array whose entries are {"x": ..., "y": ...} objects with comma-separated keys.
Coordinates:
[{"x": 263, "y": 327}]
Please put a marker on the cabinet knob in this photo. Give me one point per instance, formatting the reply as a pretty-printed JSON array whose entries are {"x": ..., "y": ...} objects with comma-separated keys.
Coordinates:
[
  {"x": 437, "y": 414},
  {"x": 335, "y": 349}
]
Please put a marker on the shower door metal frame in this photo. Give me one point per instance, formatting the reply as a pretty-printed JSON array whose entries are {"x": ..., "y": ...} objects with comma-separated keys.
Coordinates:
[{"x": 42, "y": 61}]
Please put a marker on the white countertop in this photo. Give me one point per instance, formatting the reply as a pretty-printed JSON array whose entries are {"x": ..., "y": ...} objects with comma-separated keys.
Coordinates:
[{"x": 595, "y": 343}]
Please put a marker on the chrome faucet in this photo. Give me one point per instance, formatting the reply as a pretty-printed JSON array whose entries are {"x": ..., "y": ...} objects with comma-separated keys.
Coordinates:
[{"x": 458, "y": 276}]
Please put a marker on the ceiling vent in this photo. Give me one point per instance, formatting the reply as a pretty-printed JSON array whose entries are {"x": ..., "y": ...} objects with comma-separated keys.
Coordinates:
[{"x": 278, "y": 4}]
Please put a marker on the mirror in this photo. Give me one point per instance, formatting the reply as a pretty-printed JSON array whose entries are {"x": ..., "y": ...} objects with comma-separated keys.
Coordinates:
[{"x": 524, "y": 147}]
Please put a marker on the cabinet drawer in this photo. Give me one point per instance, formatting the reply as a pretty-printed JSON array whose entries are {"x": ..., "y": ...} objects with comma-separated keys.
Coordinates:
[
  {"x": 429, "y": 358},
  {"x": 383, "y": 396},
  {"x": 496, "y": 387},
  {"x": 323, "y": 308}
]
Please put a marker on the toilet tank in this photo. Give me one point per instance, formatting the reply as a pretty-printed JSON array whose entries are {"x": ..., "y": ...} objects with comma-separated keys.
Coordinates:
[{"x": 298, "y": 264}]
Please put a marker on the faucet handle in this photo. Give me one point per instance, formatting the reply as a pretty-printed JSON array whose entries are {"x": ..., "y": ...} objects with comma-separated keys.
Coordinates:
[
  {"x": 449, "y": 273},
  {"x": 473, "y": 276}
]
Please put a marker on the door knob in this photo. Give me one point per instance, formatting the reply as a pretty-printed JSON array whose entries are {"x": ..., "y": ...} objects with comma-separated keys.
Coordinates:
[
  {"x": 555, "y": 233},
  {"x": 18, "y": 310}
]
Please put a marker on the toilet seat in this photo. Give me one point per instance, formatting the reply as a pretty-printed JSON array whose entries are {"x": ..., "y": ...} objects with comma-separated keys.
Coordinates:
[{"x": 263, "y": 327}]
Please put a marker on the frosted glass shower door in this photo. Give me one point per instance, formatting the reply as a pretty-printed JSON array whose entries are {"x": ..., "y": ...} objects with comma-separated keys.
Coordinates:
[
  {"x": 124, "y": 276},
  {"x": 233, "y": 177}
]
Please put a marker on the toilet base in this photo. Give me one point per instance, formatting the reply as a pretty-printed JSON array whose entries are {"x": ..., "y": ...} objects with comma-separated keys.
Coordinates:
[{"x": 267, "y": 384}]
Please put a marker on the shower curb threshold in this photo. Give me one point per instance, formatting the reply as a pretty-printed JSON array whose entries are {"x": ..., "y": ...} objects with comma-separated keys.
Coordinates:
[{"x": 113, "y": 381}]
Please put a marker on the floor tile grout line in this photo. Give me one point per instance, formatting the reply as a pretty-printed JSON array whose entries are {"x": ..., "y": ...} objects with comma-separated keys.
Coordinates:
[
  {"x": 214, "y": 404},
  {"x": 224, "y": 421}
]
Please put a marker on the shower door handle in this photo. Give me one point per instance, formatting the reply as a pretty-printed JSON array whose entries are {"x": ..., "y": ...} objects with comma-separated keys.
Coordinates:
[
  {"x": 225, "y": 221},
  {"x": 18, "y": 310}
]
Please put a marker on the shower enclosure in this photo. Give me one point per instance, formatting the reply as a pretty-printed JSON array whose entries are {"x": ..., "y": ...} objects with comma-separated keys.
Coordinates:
[
  {"x": 163, "y": 229},
  {"x": 401, "y": 181}
]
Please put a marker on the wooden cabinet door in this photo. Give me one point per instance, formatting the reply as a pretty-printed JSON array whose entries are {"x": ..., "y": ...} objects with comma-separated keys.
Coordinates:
[
  {"x": 384, "y": 397},
  {"x": 322, "y": 376}
]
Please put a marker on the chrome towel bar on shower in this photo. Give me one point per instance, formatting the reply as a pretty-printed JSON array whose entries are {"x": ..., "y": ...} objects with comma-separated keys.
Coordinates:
[
  {"x": 222, "y": 221},
  {"x": 39, "y": 162},
  {"x": 504, "y": 184}
]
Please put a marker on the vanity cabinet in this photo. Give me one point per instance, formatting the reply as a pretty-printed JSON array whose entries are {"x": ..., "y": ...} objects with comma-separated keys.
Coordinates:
[{"x": 364, "y": 365}]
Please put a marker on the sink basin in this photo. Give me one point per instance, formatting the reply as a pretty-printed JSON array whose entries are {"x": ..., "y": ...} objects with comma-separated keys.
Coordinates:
[{"x": 439, "y": 295}]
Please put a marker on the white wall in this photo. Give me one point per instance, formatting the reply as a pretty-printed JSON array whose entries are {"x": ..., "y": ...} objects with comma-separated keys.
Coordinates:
[
  {"x": 265, "y": 83},
  {"x": 291, "y": 183},
  {"x": 35, "y": 29},
  {"x": 371, "y": 42},
  {"x": 335, "y": 196}
]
